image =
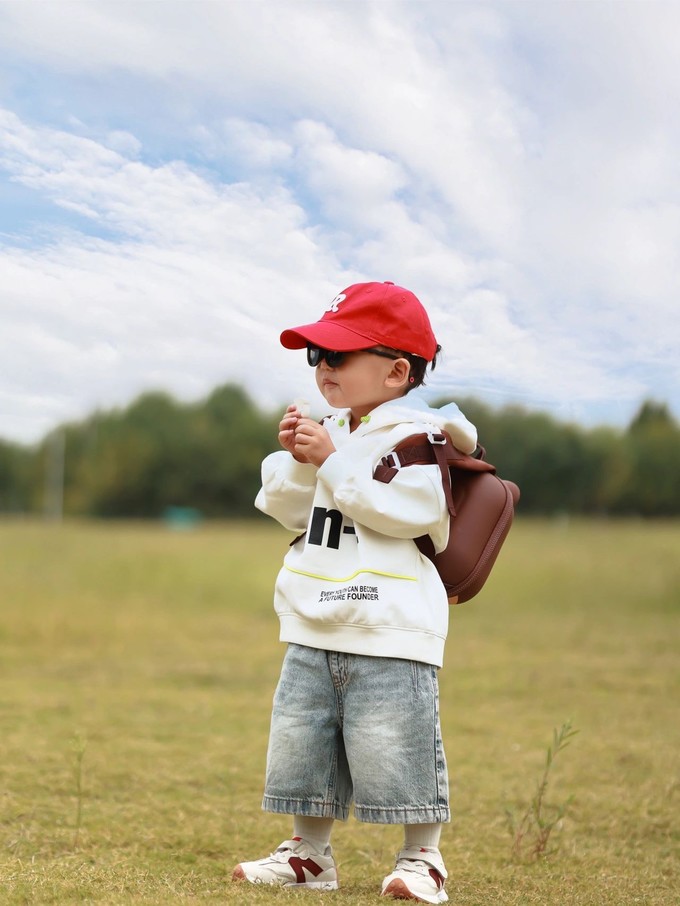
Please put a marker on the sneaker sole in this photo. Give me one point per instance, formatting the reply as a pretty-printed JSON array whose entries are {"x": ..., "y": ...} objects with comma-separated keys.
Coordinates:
[
  {"x": 399, "y": 891},
  {"x": 239, "y": 875}
]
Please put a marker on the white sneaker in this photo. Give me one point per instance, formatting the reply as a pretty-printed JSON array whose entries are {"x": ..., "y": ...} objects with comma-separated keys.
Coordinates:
[
  {"x": 418, "y": 875},
  {"x": 293, "y": 864}
]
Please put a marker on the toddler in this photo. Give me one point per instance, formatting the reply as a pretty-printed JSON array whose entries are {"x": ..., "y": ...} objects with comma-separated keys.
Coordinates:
[{"x": 356, "y": 711}]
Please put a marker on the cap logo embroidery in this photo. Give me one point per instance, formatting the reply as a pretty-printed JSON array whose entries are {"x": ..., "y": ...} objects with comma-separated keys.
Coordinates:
[{"x": 334, "y": 304}]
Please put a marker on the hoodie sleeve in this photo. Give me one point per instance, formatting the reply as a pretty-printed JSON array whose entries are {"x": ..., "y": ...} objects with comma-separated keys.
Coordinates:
[
  {"x": 287, "y": 490},
  {"x": 412, "y": 504}
]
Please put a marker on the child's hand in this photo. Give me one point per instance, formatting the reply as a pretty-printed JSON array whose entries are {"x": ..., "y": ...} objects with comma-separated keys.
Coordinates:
[
  {"x": 312, "y": 442},
  {"x": 287, "y": 427}
]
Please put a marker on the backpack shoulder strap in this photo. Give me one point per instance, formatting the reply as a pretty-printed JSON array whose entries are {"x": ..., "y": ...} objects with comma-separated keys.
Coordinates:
[{"x": 430, "y": 449}]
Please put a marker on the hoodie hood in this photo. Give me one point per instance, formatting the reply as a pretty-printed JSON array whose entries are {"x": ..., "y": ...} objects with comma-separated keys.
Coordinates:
[{"x": 414, "y": 409}]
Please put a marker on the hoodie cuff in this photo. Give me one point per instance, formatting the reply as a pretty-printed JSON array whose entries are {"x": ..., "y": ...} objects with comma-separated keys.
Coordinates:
[
  {"x": 331, "y": 472},
  {"x": 302, "y": 473}
]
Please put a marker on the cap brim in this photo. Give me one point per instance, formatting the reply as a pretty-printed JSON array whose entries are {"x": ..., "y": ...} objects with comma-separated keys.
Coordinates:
[{"x": 326, "y": 335}]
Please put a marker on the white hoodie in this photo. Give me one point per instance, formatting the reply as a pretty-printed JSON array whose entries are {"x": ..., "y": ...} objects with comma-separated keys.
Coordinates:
[{"x": 356, "y": 582}]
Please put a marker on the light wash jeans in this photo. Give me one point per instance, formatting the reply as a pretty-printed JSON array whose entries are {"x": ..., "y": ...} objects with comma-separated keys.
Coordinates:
[{"x": 347, "y": 726}]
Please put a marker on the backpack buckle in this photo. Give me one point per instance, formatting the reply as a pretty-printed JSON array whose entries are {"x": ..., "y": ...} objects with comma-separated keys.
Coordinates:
[
  {"x": 436, "y": 438},
  {"x": 392, "y": 460}
]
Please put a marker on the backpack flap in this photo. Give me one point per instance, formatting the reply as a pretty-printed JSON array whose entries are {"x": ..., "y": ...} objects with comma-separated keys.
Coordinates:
[
  {"x": 481, "y": 508},
  {"x": 485, "y": 506}
]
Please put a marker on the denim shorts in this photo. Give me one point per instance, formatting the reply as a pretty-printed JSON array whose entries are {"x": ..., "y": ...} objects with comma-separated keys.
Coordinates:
[{"x": 346, "y": 727}]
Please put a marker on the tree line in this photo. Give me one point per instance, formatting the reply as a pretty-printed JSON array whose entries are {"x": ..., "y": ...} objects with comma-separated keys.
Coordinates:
[{"x": 159, "y": 455}]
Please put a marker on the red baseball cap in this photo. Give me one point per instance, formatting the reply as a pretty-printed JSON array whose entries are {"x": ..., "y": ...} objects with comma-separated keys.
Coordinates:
[{"x": 369, "y": 314}]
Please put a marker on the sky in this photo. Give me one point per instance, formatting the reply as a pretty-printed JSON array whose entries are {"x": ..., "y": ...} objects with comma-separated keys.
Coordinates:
[{"x": 181, "y": 181}]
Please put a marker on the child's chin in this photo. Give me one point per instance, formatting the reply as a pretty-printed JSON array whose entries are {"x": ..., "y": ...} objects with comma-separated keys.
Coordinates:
[{"x": 334, "y": 399}]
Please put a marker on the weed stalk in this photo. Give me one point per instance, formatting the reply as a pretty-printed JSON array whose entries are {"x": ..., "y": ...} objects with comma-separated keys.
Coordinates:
[{"x": 532, "y": 831}]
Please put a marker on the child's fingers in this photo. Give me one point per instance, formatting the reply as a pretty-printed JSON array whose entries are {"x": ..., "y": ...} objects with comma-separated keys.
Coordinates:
[
  {"x": 288, "y": 423},
  {"x": 287, "y": 431},
  {"x": 309, "y": 426},
  {"x": 308, "y": 430}
]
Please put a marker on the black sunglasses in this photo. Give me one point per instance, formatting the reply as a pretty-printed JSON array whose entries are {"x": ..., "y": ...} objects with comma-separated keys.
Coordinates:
[{"x": 334, "y": 359}]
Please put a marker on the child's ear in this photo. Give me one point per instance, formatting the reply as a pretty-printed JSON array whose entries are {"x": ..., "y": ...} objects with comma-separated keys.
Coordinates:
[{"x": 398, "y": 374}]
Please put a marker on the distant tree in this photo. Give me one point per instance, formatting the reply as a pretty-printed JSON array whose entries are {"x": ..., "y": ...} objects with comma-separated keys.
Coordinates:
[
  {"x": 652, "y": 415},
  {"x": 561, "y": 467},
  {"x": 653, "y": 450},
  {"x": 610, "y": 470},
  {"x": 15, "y": 478},
  {"x": 159, "y": 453},
  {"x": 240, "y": 437}
]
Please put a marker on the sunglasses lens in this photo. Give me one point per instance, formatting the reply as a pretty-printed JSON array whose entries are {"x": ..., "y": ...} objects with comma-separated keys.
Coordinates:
[
  {"x": 334, "y": 358},
  {"x": 315, "y": 354}
]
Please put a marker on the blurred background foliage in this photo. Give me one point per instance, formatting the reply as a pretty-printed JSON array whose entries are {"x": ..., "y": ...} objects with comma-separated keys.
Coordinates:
[{"x": 158, "y": 454}]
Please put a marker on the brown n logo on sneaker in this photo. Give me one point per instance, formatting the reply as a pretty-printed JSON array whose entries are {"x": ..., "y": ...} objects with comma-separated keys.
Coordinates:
[
  {"x": 436, "y": 877},
  {"x": 298, "y": 865}
]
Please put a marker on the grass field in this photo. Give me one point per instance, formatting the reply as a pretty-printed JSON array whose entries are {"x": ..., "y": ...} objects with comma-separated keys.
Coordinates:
[{"x": 137, "y": 666}]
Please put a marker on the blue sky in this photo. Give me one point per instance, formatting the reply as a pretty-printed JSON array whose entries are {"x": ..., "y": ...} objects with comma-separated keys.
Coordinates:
[{"x": 181, "y": 181}]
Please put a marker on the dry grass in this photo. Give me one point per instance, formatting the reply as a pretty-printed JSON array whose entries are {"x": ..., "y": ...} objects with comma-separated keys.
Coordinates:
[{"x": 141, "y": 662}]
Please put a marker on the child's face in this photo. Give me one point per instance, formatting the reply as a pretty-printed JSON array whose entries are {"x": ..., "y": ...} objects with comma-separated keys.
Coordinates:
[{"x": 362, "y": 381}]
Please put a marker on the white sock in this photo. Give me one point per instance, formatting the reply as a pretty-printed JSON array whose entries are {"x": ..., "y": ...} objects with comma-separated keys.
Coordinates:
[
  {"x": 422, "y": 835},
  {"x": 316, "y": 831}
]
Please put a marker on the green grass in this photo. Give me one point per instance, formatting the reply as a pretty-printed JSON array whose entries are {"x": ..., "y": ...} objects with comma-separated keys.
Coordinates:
[{"x": 137, "y": 667}]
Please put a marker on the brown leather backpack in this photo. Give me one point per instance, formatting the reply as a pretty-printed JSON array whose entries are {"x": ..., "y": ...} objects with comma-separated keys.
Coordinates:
[{"x": 481, "y": 507}]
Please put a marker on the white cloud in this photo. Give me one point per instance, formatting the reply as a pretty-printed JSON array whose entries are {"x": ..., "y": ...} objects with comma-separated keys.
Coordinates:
[
  {"x": 197, "y": 283},
  {"x": 514, "y": 164},
  {"x": 353, "y": 185},
  {"x": 254, "y": 144}
]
